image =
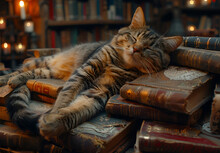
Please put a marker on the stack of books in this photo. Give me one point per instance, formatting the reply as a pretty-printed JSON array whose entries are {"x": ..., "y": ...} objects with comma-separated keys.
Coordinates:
[
  {"x": 165, "y": 111},
  {"x": 173, "y": 103}
]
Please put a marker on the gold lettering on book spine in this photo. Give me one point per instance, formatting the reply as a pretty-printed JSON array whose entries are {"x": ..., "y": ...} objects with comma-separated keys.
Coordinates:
[
  {"x": 197, "y": 42},
  {"x": 208, "y": 43}
]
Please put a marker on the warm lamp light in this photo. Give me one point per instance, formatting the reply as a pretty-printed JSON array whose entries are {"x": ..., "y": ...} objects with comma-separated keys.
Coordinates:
[
  {"x": 204, "y": 2},
  {"x": 29, "y": 26},
  {"x": 22, "y": 10},
  {"x": 2, "y": 23},
  {"x": 191, "y": 3},
  {"x": 19, "y": 48},
  {"x": 6, "y": 48},
  {"x": 191, "y": 28},
  {"x": 21, "y": 3}
]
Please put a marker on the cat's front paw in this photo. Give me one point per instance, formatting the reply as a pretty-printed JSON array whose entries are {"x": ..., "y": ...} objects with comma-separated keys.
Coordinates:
[
  {"x": 15, "y": 81},
  {"x": 51, "y": 125},
  {"x": 3, "y": 80}
]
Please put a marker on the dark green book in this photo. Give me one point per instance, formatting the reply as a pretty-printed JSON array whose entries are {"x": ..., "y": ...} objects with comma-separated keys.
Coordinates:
[{"x": 212, "y": 43}]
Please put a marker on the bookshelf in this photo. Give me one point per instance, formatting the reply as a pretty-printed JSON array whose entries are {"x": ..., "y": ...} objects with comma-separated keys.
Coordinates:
[{"x": 94, "y": 20}]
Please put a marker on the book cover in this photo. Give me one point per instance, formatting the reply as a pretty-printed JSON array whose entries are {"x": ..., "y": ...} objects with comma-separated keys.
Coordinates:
[
  {"x": 202, "y": 59},
  {"x": 14, "y": 138},
  {"x": 178, "y": 89},
  {"x": 50, "y": 87},
  {"x": 117, "y": 105},
  {"x": 212, "y": 43},
  {"x": 4, "y": 114},
  {"x": 4, "y": 93},
  {"x": 101, "y": 134},
  {"x": 215, "y": 112},
  {"x": 163, "y": 137},
  {"x": 42, "y": 98}
]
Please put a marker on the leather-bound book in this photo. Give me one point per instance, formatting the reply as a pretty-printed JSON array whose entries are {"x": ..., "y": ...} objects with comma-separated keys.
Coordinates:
[
  {"x": 119, "y": 106},
  {"x": 49, "y": 87},
  {"x": 101, "y": 134},
  {"x": 163, "y": 137},
  {"x": 212, "y": 43},
  {"x": 178, "y": 89},
  {"x": 202, "y": 59}
]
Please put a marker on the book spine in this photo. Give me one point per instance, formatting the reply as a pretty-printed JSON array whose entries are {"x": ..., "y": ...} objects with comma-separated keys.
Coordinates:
[
  {"x": 59, "y": 10},
  {"x": 4, "y": 114},
  {"x": 161, "y": 98},
  {"x": 212, "y": 43},
  {"x": 43, "y": 98},
  {"x": 15, "y": 139},
  {"x": 43, "y": 88},
  {"x": 201, "y": 59},
  {"x": 151, "y": 113}
]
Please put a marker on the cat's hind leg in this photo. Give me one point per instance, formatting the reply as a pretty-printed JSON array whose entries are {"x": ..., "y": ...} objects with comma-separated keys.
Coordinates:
[{"x": 81, "y": 109}]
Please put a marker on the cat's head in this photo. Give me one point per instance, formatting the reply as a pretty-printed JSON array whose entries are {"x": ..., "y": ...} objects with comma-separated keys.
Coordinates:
[{"x": 142, "y": 48}]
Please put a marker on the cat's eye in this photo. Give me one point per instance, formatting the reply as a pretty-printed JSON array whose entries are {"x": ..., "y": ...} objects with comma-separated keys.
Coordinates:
[{"x": 132, "y": 39}]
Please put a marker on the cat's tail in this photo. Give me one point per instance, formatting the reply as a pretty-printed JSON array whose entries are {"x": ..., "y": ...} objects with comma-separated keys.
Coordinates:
[{"x": 21, "y": 112}]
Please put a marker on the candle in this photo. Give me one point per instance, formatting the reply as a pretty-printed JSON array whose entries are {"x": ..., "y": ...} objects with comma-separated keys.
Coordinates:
[
  {"x": 22, "y": 10},
  {"x": 191, "y": 28},
  {"x": 204, "y": 2},
  {"x": 19, "y": 48},
  {"x": 29, "y": 26},
  {"x": 6, "y": 48},
  {"x": 191, "y": 3},
  {"x": 2, "y": 24}
]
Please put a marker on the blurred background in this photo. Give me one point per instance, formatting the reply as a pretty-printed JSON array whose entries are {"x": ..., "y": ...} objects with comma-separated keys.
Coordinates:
[{"x": 31, "y": 24}]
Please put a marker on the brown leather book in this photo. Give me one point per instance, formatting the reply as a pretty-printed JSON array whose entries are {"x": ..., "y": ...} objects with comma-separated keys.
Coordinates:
[
  {"x": 49, "y": 87},
  {"x": 42, "y": 98},
  {"x": 215, "y": 113},
  {"x": 117, "y": 105},
  {"x": 4, "y": 93},
  {"x": 178, "y": 89},
  {"x": 16, "y": 139},
  {"x": 101, "y": 134},
  {"x": 163, "y": 137},
  {"x": 202, "y": 59}
]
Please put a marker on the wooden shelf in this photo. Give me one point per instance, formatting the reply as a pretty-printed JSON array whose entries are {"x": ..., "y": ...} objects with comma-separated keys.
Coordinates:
[
  {"x": 16, "y": 57},
  {"x": 52, "y": 23},
  {"x": 201, "y": 10}
]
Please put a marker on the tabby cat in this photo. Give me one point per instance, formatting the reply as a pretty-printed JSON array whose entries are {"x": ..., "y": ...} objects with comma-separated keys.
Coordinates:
[{"x": 93, "y": 73}]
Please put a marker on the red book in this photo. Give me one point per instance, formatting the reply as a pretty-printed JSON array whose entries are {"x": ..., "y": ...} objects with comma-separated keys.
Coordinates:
[
  {"x": 51, "y": 10},
  {"x": 163, "y": 137}
]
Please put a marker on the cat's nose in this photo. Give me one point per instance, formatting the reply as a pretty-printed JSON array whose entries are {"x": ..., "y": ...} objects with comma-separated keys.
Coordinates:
[{"x": 136, "y": 49}]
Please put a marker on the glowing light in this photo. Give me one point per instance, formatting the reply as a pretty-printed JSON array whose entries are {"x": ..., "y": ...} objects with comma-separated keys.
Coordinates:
[
  {"x": 21, "y": 3},
  {"x": 191, "y": 28},
  {"x": 5, "y": 45}
]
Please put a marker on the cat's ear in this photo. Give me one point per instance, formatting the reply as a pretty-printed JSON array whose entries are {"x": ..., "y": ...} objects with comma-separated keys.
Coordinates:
[
  {"x": 138, "y": 19},
  {"x": 171, "y": 43}
]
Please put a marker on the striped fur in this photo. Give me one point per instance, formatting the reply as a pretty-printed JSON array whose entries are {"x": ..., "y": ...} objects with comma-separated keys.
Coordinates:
[{"x": 93, "y": 73}]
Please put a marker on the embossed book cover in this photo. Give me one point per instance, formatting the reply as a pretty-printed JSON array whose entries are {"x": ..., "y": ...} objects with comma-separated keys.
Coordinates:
[
  {"x": 178, "y": 89},
  {"x": 101, "y": 134}
]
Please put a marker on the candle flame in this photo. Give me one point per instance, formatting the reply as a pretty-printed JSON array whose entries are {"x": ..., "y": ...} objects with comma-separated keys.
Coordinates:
[
  {"x": 5, "y": 45},
  {"x": 21, "y": 3},
  {"x": 1, "y": 21},
  {"x": 192, "y": 2},
  {"x": 20, "y": 46}
]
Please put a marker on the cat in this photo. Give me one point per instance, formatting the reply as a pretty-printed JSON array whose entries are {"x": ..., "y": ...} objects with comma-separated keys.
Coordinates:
[{"x": 93, "y": 73}]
